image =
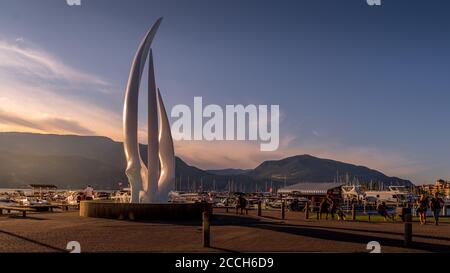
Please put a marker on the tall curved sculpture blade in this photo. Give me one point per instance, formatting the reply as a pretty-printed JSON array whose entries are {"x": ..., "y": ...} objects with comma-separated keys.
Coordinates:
[
  {"x": 151, "y": 193},
  {"x": 136, "y": 170},
  {"x": 166, "y": 154}
]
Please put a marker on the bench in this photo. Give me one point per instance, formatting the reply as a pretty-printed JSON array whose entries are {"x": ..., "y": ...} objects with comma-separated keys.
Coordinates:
[
  {"x": 234, "y": 207},
  {"x": 19, "y": 209},
  {"x": 65, "y": 207},
  {"x": 43, "y": 207}
]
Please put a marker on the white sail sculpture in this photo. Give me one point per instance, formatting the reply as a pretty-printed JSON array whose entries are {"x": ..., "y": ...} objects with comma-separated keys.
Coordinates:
[{"x": 153, "y": 183}]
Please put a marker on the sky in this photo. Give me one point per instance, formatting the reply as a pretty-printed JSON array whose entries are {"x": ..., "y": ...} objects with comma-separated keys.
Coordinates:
[{"x": 362, "y": 84}]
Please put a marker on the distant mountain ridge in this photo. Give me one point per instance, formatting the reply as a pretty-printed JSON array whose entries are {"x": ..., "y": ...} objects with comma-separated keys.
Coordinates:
[
  {"x": 229, "y": 171},
  {"x": 73, "y": 161},
  {"x": 308, "y": 168}
]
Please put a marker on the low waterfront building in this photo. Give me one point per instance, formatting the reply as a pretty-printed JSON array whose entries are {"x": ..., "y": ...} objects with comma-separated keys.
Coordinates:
[
  {"x": 315, "y": 192},
  {"x": 441, "y": 186}
]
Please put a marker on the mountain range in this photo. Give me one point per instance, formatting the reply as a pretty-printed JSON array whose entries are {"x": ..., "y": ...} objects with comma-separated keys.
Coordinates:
[{"x": 69, "y": 161}]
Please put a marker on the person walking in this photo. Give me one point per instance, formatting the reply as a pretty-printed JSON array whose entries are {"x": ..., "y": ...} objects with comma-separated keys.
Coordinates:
[
  {"x": 436, "y": 204},
  {"x": 324, "y": 205},
  {"x": 241, "y": 204},
  {"x": 422, "y": 204},
  {"x": 333, "y": 205}
]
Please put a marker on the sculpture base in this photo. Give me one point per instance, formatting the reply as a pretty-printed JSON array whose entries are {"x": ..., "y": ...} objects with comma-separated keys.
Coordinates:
[{"x": 136, "y": 211}]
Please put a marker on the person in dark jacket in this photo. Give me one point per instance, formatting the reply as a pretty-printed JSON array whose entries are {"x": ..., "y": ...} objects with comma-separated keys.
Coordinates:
[
  {"x": 241, "y": 203},
  {"x": 323, "y": 208},
  {"x": 333, "y": 205},
  {"x": 436, "y": 204}
]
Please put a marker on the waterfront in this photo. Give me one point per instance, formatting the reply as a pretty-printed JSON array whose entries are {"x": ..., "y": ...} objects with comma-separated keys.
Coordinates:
[
  {"x": 50, "y": 232},
  {"x": 28, "y": 191}
]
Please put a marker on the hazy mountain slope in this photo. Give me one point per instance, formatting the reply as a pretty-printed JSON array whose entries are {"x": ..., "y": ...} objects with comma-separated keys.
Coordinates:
[
  {"x": 99, "y": 148},
  {"x": 228, "y": 171},
  {"x": 306, "y": 168},
  {"x": 64, "y": 171},
  {"x": 74, "y": 161}
]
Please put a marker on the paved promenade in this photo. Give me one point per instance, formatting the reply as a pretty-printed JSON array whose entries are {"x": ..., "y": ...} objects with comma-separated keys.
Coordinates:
[{"x": 50, "y": 232}]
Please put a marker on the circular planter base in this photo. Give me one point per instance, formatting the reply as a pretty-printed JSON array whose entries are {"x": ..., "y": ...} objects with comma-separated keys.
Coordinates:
[{"x": 135, "y": 211}]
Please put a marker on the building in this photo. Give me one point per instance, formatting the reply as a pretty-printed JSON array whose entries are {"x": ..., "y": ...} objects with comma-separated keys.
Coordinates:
[
  {"x": 315, "y": 192},
  {"x": 441, "y": 186}
]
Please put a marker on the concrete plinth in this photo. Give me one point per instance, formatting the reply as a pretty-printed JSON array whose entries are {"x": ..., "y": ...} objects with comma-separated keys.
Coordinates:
[{"x": 136, "y": 211}]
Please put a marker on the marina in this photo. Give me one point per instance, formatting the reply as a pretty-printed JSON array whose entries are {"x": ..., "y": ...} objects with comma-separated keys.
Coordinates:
[
  {"x": 298, "y": 197},
  {"x": 50, "y": 232}
]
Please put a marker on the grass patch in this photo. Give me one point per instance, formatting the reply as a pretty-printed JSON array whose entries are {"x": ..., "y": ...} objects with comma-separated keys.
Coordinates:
[{"x": 379, "y": 218}]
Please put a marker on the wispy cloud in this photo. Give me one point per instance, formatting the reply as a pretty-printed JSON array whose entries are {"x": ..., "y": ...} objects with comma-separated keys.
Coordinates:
[
  {"x": 54, "y": 125},
  {"x": 39, "y": 92},
  {"x": 20, "y": 60}
]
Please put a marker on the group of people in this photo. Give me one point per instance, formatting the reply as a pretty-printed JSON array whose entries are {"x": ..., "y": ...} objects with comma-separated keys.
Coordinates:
[
  {"x": 329, "y": 206},
  {"x": 241, "y": 204},
  {"x": 436, "y": 204}
]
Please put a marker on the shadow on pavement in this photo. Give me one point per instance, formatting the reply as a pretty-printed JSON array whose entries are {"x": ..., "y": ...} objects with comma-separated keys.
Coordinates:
[
  {"x": 350, "y": 237},
  {"x": 31, "y": 241}
]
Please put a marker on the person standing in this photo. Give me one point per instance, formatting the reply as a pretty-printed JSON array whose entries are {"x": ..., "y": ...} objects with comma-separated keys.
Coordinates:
[
  {"x": 89, "y": 193},
  {"x": 436, "y": 203}
]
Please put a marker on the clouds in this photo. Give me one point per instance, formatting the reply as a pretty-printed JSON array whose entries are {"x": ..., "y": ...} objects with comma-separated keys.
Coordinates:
[
  {"x": 47, "y": 125},
  {"x": 27, "y": 63},
  {"x": 40, "y": 93}
]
